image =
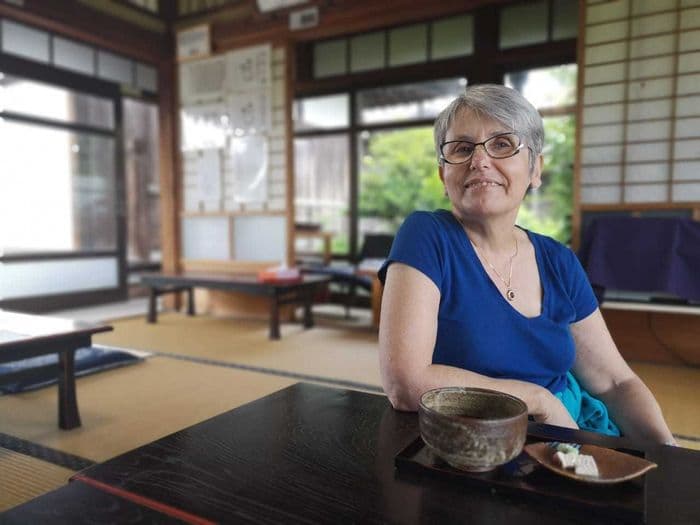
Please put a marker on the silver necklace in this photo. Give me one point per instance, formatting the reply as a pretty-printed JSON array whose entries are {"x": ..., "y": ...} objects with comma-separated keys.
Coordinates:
[{"x": 510, "y": 293}]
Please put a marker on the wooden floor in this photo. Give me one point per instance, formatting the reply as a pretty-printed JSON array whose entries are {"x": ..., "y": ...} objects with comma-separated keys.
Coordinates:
[{"x": 203, "y": 366}]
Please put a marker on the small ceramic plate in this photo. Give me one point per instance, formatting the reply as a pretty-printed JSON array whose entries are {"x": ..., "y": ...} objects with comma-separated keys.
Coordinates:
[{"x": 613, "y": 466}]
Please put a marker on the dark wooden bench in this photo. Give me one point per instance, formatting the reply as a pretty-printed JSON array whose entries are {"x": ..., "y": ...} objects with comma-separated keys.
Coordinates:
[{"x": 298, "y": 291}]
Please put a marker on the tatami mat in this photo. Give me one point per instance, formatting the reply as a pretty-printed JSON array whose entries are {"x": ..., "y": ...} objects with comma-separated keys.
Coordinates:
[
  {"x": 23, "y": 478},
  {"x": 348, "y": 354},
  {"x": 128, "y": 407}
]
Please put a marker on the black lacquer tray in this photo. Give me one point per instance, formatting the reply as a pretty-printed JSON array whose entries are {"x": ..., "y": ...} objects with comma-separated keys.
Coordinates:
[{"x": 524, "y": 477}]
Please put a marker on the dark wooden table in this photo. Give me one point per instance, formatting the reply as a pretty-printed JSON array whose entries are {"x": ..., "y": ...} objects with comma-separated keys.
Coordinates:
[
  {"x": 298, "y": 291},
  {"x": 309, "y": 454},
  {"x": 78, "y": 503},
  {"x": 23, "y": 336}
]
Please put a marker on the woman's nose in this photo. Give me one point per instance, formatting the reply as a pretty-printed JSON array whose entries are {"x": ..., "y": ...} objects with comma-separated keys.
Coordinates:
[{"x": 479, "y": 157}]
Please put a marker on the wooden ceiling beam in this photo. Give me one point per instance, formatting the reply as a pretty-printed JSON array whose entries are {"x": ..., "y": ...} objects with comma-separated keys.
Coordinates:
[
  {"x": 76, "y": 20},
  {"x": 337, "y": 18}
]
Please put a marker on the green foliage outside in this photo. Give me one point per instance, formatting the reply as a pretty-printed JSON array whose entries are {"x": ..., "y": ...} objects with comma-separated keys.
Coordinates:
[
  {"x": 399, "y": 175},
  {"x": 547, "y": 210}
]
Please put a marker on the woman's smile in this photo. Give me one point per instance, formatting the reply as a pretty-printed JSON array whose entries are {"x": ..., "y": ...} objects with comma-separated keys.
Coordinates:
[{"x": 481, "y": 184}]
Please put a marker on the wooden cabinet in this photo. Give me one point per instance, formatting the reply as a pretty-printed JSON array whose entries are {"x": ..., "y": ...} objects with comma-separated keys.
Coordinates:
[{"x": 655, "y": 333}]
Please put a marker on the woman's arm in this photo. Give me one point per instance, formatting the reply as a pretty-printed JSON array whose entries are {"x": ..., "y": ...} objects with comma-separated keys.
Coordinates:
[
  {"x": 604, "y": 374},
  {"x": 407, "y": 332}
]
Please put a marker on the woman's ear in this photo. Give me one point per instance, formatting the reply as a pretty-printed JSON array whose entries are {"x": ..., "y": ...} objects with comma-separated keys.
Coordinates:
[
  {"x": 442, "y": 178},
  {"x": 536, "y": 174}
]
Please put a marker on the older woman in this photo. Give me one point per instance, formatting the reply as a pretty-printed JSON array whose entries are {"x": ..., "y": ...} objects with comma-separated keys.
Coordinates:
[{"x": 471, "y": 299}]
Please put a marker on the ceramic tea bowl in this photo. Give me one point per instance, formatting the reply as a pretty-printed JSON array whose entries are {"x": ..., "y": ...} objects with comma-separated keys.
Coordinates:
[{"x": 472, "y": 429}]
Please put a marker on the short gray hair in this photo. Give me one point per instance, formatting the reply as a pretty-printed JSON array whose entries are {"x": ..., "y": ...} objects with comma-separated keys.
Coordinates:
[{"x": 500, "y": 103}]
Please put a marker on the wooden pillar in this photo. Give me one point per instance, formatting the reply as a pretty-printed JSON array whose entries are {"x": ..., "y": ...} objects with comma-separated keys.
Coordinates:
[{"x": 170, "y": 169}]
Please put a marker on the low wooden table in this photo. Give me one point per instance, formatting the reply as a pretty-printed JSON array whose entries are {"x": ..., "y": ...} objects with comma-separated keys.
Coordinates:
[
  {"x": 23, "y": 336},
  {"x": 312, "y": 454},
  {"x": 80, "y": 503},
  {"x": 298, "y": 291}
]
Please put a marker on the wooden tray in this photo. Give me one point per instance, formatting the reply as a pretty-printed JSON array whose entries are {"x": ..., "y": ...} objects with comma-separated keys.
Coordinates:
[
  {"x": 613, "y": 466},
  {"x": 524, "y": 477}
]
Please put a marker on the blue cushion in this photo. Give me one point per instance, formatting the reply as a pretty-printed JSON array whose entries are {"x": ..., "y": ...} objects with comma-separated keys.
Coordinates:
[{"x": 87, "y": 361}]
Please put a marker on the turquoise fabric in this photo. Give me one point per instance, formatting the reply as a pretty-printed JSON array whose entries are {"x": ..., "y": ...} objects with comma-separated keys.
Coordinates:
[{"x": 589, "y": 413}]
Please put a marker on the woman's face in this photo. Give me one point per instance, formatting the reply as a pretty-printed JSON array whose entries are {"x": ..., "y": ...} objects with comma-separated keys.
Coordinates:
[{"x": 483, "y": 186}]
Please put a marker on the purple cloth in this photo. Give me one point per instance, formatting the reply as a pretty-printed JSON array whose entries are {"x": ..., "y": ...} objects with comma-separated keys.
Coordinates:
[{"x": 644, "y": 255}]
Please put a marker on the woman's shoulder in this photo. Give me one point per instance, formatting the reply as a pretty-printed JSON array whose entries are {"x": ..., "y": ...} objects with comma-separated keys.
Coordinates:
[
  {"x": 554, "y": 249},
  {"x": 428, "y": 219}
]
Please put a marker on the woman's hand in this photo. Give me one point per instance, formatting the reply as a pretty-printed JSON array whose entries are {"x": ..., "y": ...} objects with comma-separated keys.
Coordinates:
[{"x": 553, "y": 412}]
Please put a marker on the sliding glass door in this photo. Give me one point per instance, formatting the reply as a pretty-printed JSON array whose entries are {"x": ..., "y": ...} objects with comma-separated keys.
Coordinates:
[{"x": 61, "y": 216}]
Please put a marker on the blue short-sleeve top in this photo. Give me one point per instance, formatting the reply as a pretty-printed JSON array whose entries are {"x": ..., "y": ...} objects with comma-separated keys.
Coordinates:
[{"x": 478, "y": 329}]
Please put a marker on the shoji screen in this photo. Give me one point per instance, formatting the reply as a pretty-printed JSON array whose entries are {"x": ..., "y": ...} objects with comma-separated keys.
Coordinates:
[{"x": 640, "y": 125}]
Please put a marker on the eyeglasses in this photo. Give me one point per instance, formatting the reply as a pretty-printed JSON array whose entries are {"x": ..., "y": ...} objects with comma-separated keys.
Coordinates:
[{"x": 499, "y": 146}]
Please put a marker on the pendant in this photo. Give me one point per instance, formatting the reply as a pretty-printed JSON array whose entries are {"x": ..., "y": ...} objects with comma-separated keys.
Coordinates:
[{"x": 510, "y": 294}]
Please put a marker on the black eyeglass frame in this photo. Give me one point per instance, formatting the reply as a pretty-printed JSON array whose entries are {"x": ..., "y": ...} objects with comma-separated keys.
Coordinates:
[{"x": 483, "y": 144}]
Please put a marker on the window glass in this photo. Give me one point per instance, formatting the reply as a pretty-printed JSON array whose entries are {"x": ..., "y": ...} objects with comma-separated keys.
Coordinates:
[
  {"x": 146, "y": 77},
  {"x": 548, "y": 209},
  {"x": 421, "y": 100},
  {"x": 36, "y": 99},
  {"x": 115, "y": 68},
  {"x": 330, "y": 58},
  {"x": 74, "y": 56},
  {"x": 141, "y": 167},
  {"x": 322, "y": 188},
  {"x": 18, "y": 39},
  {"x": 51, "y": 277},
  {"x": 523, "y": 24},
  {"x": 326, "y": 112},
  {"x": 564, "y": 19},
  {"x": 72, "y": 182},
  {"x": 367, "y": 52},
  {"x": 546, "y": 87},
  {"x": 452, "y": 37},
  {"x": 408, "y": 45},
  {"x": 151, "y": 5},
  {"x": 398, "y": 174},
  {"x": 204, "y": 126}
]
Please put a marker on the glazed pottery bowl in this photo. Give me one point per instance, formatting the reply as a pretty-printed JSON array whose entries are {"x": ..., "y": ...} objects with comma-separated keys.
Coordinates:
[{"x": 472, "y": 429}]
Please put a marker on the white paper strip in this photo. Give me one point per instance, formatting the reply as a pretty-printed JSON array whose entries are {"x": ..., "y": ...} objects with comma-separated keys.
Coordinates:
[
  {"x": 600, "y": 194},
  {"x": 649, "y": 109},
  {"x": 601, "y": 154},
  {"x": 602, "y": 114},
  {"x": 606, "y": 52},
  {"x": 606, "y": 11},
  {"x": 606, "y": 32},
  {"x": 646, "y": 192},
  {"x": 605, "y": 134},
  {"x": 647, "y": 172},
  {"x": 602, "y": 94},
  {"x": 687, "y": 149},
  {"x": 686, "y": 192},
  {"x": 655, "y": 151},
  {"x": 687, "y": 170},
  {"x": 601, "y": 174}
]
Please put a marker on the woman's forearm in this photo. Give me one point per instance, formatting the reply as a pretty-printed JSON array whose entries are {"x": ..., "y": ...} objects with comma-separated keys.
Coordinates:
[
  {"x": 404, "y": 391},
  {"x": 636, "y": 412}
]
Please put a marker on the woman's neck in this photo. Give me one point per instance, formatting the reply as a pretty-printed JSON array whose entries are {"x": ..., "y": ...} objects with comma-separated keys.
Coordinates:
[{"x": 495, "y": 236}]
